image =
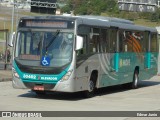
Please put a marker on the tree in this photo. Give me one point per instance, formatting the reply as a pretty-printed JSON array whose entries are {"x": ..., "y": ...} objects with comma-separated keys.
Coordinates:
[
  {"x": 68, "y": 7},
  {"x": 107, "y": 7},
  {"x": 83, "y": 7}
]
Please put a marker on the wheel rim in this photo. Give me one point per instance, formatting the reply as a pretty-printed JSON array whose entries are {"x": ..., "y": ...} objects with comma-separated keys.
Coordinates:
[{"x": 91, "y": 86}]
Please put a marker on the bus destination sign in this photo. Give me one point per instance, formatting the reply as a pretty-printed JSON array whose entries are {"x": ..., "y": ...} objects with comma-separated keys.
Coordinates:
[{"x": 46, "y": 24}]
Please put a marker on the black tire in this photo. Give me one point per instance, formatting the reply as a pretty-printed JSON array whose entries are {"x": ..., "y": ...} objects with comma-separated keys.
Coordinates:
[
  {"x": 90, "y": 93},
  {"x": 134, "y": 83},
  {"x": 91, "y": 87},
  {"x": 135, "y": 80}
]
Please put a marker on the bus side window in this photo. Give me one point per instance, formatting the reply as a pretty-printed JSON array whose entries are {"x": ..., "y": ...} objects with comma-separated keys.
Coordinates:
[
  {"x": 146, "y": 41},
  {"x": 94, "y": 42},
  {"x": 126, "y": 41},
  {"x": 84, "y": 31},
  {"x": 121, "y": 41},
  {"x": 104, "y": 41},
  {"x": 113, "y": 39},
  {"x": 140, "y": 37}
]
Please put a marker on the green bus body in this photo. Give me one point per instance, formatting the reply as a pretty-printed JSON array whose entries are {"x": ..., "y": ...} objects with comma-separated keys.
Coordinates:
[{"x": 114, "y": 52}]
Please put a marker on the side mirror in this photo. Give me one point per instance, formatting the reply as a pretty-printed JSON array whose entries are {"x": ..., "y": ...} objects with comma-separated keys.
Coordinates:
[
  {"x": 79, "y": 42},
  {"x": 11, "y": 39}
]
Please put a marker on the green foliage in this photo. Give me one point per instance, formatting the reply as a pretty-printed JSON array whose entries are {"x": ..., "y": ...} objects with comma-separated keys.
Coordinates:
[
  {"x": 68, "y": 7},
  {"x": 108, "y": 8},
  {"x": 155, "y": 17},
  {"x": 90, "y": 7}
]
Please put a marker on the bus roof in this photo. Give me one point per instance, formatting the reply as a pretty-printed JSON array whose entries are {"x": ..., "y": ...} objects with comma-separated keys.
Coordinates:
[
  {"x": 99, "y": 21},
  {"x": 108, "y": 19}
]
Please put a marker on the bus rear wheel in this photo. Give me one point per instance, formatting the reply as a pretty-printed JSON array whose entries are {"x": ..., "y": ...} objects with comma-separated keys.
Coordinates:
[
  {"x": 135, "y": 80},
  {"x": 134, "y": 83}
]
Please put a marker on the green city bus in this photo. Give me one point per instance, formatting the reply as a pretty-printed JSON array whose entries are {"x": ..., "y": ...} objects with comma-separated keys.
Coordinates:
[{"x": 82, "y": 53}]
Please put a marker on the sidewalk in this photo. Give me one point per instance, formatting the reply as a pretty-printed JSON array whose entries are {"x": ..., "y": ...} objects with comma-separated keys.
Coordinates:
[{"x": 5, "y": 75}]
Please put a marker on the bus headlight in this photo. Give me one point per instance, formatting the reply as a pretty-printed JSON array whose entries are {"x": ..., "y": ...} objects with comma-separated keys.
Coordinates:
[
  {"x": 15, "y": 74},
  {"x": 67, "y": 75}
]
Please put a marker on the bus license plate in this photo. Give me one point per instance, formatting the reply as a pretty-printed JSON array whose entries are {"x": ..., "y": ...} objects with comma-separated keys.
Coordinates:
[{"x": 40, "y": 88}]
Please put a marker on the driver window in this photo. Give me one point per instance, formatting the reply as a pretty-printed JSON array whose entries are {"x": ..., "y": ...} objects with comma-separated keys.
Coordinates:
[{"x": 36, "y": 38}]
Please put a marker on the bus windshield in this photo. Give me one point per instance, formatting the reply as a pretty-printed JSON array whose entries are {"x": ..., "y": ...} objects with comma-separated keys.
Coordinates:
[{"x": 34, "y": 45}]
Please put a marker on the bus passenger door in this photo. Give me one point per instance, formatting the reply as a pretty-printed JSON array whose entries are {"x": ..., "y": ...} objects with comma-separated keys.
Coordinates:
[
  {"x": 146, "y": 50},
  {"x": 126, "y": 52},
  {"x": 153, "y": 54},
  {"x": 114, "y": 49}
]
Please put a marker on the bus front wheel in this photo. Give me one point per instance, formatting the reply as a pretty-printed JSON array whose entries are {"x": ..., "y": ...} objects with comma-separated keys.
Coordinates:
[{"x": 91, "y": 86}]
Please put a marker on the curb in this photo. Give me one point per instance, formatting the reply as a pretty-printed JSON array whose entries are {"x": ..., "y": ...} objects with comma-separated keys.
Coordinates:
[{"x": 5, "y": 79}]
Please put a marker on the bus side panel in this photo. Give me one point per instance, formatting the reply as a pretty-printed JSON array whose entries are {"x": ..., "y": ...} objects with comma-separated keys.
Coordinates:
[
  {"x": 116, "y": 73},
  {"x": 84, "y": 69},
  {"x": 108, "y": 76},
  {"x": 154, "y": 60},
  {"x": 110, "y": 70},
  {"x": 127, "y": 63},
  {"x": 106, "y": 67},
  {"x": 153, "y": 67},
  {"x": 148, "y": 72},
  {"x": 122, "y": 74}
]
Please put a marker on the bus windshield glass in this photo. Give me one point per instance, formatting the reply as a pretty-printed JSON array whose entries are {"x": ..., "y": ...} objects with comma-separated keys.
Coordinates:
[{"x": 33, "y": 46}]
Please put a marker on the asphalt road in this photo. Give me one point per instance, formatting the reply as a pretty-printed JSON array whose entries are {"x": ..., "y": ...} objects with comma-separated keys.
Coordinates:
[{"x": 145, "y": 98}]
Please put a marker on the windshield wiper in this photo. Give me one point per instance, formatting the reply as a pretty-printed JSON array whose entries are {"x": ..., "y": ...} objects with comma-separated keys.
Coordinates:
[{"x": 52, "y": 39}]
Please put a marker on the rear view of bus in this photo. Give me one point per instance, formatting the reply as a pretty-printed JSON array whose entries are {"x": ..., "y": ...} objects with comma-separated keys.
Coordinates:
[{"x": 43, "y": 54}]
